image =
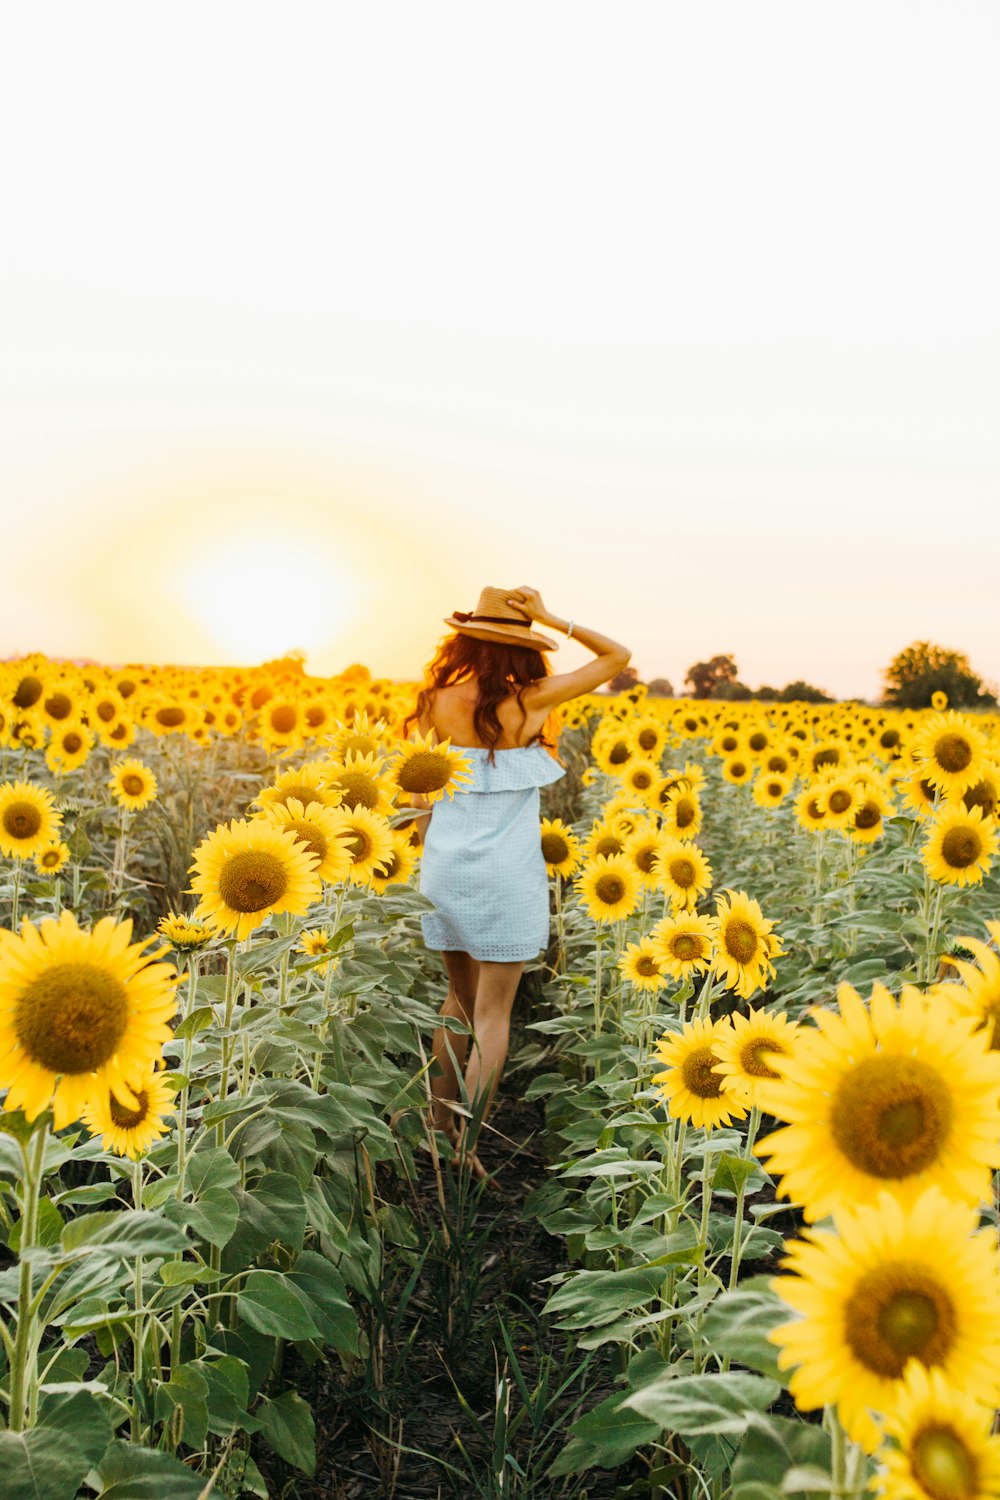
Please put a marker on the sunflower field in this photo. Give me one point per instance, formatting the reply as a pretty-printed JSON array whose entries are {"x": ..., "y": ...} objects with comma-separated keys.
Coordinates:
[{"x": 750, "y": 1121}]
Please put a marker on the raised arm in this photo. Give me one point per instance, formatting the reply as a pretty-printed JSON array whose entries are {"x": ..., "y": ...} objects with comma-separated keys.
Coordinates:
[{"x": 609, "y": 656}]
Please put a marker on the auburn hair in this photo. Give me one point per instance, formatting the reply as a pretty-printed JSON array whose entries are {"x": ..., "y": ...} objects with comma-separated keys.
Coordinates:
[{"x": 496, "y": 668}]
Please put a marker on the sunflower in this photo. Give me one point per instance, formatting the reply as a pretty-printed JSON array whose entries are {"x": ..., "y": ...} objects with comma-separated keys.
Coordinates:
[
  {"x": 314, "y": 942},
  {"x": 642, "y": 965},
  {"x": 840, "y": 798},
  {"x": 684, "y": 943},
  {"x": 132, "y": 784},
  {"x": 360, "y": 783},
  {"x": 745, "y": 944},
  {"x": 29, "y": 819},
  {"x": 884, "y": 1097},
  {"x": 128, "y": 1130},
  {"x": 52, "y": 858},
  {"x": 79, "y": 1010},
  {"x": 683, "y": 872},
  {"x": 979, "y": 994},
  {"x": 121, "y": 734},
  {"x": 603, "y": 839},
  {"x": 612, "y": 752},
  {"x": 642, "y": 847},
  {"x": 691, "y": 1083},
  {"x": 943, "y": 1448},
  {"x": 641, "y": 776},
  {"x": 870, "y": 813},
  {"x": 399, "y": 866},
  {"x": 69, "y": 747},
  {"x": 892, "y": 1283},
  {"x": 165, "y": 716},
  {"x": 318, "y": 827},
  {"x": 245, "y": 872},
  {"x": 770, "y": 789},
  {"x": 560, "y": 847},
  {"x": 738, "y": 768},
  {"x": 751, "y": 1050},
  {"x": 608, "y": 887},
  {"x": 681, "y": 814},
  {"x": 369, "y": 843},
  {"x": 307, "y": 784},
  {"x": 810, "y": 809},
  {"x": 184, "y": 933},
  {"x": 650, "y": 737},
  {"x": 281, "y": 722},
  {"x": 984, "y": 793},
  {"x": 431, "y": 768},
  {"x": 949, "y": 750},
  {"x": 825, "y": 756},
  {"x": 360, "y": 736},
  {"x": 960, "y": 845},
  {"x": 62, "y": 703}
]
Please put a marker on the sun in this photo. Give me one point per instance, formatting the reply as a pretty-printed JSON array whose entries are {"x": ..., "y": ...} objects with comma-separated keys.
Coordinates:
[{"x": 260, "y": 597}]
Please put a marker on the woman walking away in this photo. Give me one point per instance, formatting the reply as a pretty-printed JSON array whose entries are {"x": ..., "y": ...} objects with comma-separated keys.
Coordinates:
[{"x": 489, "y": 690}]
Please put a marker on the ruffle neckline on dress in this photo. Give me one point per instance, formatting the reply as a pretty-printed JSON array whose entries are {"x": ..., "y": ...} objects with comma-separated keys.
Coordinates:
[{"x": 513, "y": 771}]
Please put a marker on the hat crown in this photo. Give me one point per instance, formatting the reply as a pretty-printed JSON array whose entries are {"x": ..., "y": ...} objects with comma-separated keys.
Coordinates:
[{"x": 493, "y": 601}]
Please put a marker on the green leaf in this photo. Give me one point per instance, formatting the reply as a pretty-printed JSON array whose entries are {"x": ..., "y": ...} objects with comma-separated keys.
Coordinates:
[
  {"x": 589, "y": 1298},
  {"x": 604, "y": 1438},
  {"x": 288, "y": 1425},
  {"x": 273, "y": 1208},
  {"x": 211, "y": 1169},
  {"x": 51, "y": 1459},
  {"x": 181, "y": 1403},
  {"x": 130, "y": 1472},
  {"x": 228, "y": 1385},
  {"x": 737, "y": 1324},
  {"x": 775, "y": 1447},
  {"x": 49, "y": 1228},
  {"x": 271, "y": 1304},
  {"x": 323, "y": 1291},
  {"x": 123, "y": 1233},
  {"x": 695, "y": 1405},
  {"x": 213, "y": 1215},
  {"x": 200, "y": 1019}
]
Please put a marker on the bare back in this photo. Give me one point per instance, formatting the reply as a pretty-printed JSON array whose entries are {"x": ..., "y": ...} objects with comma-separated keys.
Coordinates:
[{"x": 451, "y": 713}]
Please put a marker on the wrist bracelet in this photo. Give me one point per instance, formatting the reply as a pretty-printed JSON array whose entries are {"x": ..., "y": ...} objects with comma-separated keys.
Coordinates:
[{"x": 569, "y": 629}]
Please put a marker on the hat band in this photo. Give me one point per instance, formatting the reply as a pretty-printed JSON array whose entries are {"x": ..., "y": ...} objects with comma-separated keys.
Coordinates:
[{"x": 460, "y": 614}]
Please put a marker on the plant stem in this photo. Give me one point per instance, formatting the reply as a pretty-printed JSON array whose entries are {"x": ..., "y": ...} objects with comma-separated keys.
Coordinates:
[{"x": 22, "y": 1363}]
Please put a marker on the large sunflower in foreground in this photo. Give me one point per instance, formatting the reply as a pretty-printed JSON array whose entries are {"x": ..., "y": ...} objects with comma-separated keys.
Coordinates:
[
  {"x": 745, "y": 944},
  {"x": 949, "y": 750},
  {"x": 321, "y": 829},
  {"x": 126, "y": 1130},
  {"x": 943, "y": 1448},
  {"x": 608, "y": 887},
  {"x": 890, "y": 1285},
  {"x": 79, "y": 1011},
  {"x": 691, "y": 1082},
  {"x": 885, "y": 1097},
  {"x": 245, "y": 872},
  {"x": 430, "y": 768},
  {"x": 960, "y": 845},
  {"x": 684, "y": 942},
  {"x": 29, "y": 819}
]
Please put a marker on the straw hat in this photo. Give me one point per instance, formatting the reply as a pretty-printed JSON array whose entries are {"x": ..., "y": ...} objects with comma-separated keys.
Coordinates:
[{"x": 493, "y": 619}]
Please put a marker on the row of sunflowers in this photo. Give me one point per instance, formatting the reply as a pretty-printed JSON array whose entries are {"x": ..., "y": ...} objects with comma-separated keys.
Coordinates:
[{"x": 226, "y": 1101}]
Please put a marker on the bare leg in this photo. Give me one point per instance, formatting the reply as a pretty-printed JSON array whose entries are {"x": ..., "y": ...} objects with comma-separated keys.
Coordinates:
[
  {"x": 495, "y": 994},
  {"x": 463, "y": 974}
]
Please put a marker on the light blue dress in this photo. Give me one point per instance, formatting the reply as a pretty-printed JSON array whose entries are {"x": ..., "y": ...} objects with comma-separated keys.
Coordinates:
[{"x": 482, "y": 863}]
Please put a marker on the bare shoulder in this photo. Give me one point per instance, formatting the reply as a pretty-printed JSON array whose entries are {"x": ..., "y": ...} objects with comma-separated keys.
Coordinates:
[{"x": 561, "y": 687}]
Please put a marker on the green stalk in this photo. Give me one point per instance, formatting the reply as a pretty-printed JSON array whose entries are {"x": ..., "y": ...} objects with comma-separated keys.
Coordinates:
[
  {"x": 23, "y": 1371},
  {"x": 734, "y": 1269},
  {"x": 182, "y": 1119},
  {"x": 139, "y": 1331}
]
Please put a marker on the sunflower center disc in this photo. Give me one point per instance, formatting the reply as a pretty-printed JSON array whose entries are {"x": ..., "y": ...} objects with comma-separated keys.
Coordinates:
[
  {"x": 283, "y": 719},
  {"x": 170, "y": 718},
  {"x": 682, "y": 872},
  {"x": 357, "y": 790},
  {"x": 619, "y": 753},
  {"x": 899, "y": 1312},
  {"x": 58, "y": 706},
  {"x": 303, "y": 794},
  {"x": 125, "y": 1118},
  {"x": 72, "y": 743},
  {"x": 133, "y": 785},
  {"x": 610, "y": 889},
  {"x": 960, "y": 848},
  {"x": 698, "y": 1072},
  {"x": 28, "y": 692},
  {"x": 740, "y": 939},
  {"x": 22, "y": 820},
  {"x": 752, "y": 1057},
  {"x": 685, "y": 947},
  {"x": 646, "y": 859},
  {"x": 943, "y": 1465},
  {"x": 251, "y": 881},
  {"x": 839, "y": 801},
  {"x": 867, "y": 816},
  {"x": 983, "y": 795},
  {"x": 684, "y": 813},
  {"x": 72, "y": 1017},
  {"x": 892, "y": 1116},
  {"x": 554, "y": 848},
  {"x": 952, "y": 752},
  {"x": 358, "y": 845},
  {"x": 424, "y": 772},
  {"x": 309, "y": 834},
  {"x": 646, "y": 967}
]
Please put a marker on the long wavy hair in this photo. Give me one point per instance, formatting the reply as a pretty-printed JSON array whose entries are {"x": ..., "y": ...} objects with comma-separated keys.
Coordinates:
[{"x": 497, "y": 669}]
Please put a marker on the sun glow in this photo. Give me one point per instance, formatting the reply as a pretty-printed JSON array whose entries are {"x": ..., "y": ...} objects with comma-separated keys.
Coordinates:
[{"x": 257, "y": 599}]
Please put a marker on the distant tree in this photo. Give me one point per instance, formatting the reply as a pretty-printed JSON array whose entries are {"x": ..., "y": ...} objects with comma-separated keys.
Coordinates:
[
  {"x": 803, "y": 692},
  {"x": 627, "y": 678},
  {"x": 766, "y": 694},
  {"x": 704, "y": 677},
  {"x": 732, "y": 692},
  {"x": 660, "y": 687},
  {"x": 923, "y": 668}
]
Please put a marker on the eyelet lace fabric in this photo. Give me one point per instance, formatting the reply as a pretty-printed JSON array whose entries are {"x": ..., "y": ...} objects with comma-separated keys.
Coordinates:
[{"x": 482, "y": 862}]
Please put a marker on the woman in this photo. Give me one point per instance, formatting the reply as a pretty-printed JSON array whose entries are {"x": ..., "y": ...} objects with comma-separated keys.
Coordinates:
[{"x": 489, "y": 690}]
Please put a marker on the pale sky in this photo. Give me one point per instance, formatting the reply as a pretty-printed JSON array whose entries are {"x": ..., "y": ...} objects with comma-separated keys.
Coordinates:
[{"x": 317, "y": 318}]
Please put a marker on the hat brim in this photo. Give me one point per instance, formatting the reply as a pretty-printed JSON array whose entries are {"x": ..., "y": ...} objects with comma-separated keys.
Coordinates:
[{"x": 513, "y": 637}]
